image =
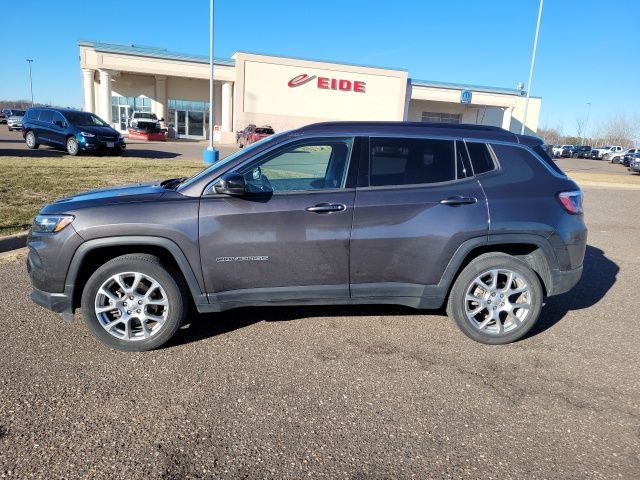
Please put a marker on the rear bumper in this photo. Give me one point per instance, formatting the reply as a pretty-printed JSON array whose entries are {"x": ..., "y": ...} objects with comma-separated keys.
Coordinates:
[
  {"x": 56, "y": 302},
  {"x": 564, "y": 280}
]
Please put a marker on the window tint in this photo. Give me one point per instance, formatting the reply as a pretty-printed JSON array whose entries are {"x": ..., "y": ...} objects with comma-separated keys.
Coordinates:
[
  {"x": 399, "y": 161},
  {"x": 32, "y": 114},
  {"x": 58, "y": 117},
  {"x": 481, "y": 159},
  {"x": 45, "y": 116},
  {"x": 547, "y": 159},
  {"x": 309, "y": 165}
]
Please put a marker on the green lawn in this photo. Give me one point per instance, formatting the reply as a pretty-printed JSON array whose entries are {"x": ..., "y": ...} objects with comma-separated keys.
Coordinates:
[{"x": 28, "y": 183}]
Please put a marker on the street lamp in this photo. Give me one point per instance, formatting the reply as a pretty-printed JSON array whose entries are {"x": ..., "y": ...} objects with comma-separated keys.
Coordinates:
[
  {"x": 586, "y": 122},
  {"x": 533, "y": 61},
  {"x": 30, "y": 61},
  {"x": 210, "y": 155}
]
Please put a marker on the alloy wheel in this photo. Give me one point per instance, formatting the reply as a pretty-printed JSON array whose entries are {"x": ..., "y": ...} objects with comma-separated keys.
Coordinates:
[
  {"x": 131, "y": 306},
  {"x": 497, "y": 301}
]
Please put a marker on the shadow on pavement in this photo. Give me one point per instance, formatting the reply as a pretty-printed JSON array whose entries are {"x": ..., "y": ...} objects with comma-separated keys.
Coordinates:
[
  {"x": 598, "y": 277},
  {"x": 50, "y": 152}
]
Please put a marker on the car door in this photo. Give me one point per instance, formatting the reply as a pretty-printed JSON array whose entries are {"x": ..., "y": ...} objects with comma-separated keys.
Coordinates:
[
  {"x": 419, "y": 204},
  {"x": 43, "y": 132},
  {"x": 287, "y": 239},
  {"x": 58, "y": 129}
]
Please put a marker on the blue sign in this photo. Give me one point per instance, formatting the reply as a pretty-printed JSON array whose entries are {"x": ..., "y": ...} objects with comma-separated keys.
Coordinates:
[{"x": 465, "y": 96}]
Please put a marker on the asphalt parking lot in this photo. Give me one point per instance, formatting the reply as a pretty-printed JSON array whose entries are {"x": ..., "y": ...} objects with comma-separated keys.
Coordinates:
[{"x": 363, "y": 392}]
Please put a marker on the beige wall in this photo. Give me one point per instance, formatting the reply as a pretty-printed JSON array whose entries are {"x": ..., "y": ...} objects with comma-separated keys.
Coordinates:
[{"x": 262, "y": 94}]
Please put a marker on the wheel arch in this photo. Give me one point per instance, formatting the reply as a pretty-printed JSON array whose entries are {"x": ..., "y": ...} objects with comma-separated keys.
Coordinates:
[{"x": 93, "y": 253}]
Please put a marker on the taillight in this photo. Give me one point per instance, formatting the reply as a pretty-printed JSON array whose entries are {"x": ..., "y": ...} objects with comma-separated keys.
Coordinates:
[{"x": 571, "y": 201}]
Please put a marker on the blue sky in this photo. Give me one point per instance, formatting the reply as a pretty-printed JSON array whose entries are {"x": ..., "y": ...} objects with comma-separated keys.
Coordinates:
[{"x": 589, "y": 51}]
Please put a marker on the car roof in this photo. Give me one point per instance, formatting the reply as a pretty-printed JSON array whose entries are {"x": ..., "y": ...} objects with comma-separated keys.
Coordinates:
[{"x": 463, "y": 130}]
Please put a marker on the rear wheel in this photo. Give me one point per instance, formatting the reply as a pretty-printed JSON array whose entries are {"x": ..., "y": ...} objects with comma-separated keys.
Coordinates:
[
  {"x": 72, "y": 146},
  {"x": 496, "y": 299},
  {"x": 134, "y": 303},
  {"x": 31, "y": 140}
]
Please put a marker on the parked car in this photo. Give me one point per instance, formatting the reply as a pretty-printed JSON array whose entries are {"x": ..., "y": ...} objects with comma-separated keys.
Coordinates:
[
  {"x": 618, "y": 157},
  {"x": 582, "y": 151},
  {"x": 634, "y": 163},
  {"x": 14, "y": 121},
  {"x": 145, "y": 121},
  {"x": 628, "y": 156},
  {"x": 568, "y": 152},
  {"x": 600, "y": 152},
  {"x": 3, "y": 117},
  {"x": 252, "y": 134},
  {"x": 558, "y": 151},
  {"x": 330, "y": 213},
  {"x": 72, "y": 130}
]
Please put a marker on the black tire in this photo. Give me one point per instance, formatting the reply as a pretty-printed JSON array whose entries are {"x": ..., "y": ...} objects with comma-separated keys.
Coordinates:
[
  {"x": 73, "y": 148},
  {"x": 483, "y": 263},
  {"x": 170, "y": 280},
  {"x": 31, "y": 140}
]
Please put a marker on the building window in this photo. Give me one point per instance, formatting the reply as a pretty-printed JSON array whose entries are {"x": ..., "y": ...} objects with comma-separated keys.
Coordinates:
[
  {"x": 192, "y": 106},
  {"x": 436, "y": 117}
]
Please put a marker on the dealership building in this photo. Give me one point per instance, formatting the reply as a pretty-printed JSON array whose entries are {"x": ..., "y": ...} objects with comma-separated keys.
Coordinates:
[{"x": 282, "y": 92}]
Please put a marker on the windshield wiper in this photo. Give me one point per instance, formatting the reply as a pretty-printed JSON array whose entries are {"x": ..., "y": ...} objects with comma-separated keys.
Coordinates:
[{"x": 172, "y": 183}]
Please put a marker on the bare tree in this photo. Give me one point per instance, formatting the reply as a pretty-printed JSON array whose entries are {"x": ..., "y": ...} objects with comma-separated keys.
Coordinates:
[{"x": 551, "y": 136}]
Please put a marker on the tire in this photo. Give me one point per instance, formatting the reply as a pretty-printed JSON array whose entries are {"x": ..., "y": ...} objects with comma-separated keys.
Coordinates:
[
  {"x": 506, "y": 329},
  {"x": 31, "y": 140},
  {"x": 122, "y": 328},
  {"x": 72, "y": 146}
]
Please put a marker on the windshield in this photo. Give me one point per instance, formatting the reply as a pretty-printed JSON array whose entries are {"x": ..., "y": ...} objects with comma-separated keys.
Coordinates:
[
  {"x": 268, "y": 131},
  {"x": 84, "y": 119},
  {"x": 220, "y": 163},
  {"x": 151, "y": 116},
  {"x": 17, "y": 113}
]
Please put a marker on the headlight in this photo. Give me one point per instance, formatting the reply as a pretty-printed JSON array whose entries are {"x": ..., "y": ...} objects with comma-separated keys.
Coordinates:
[
  {"x": 51, "y": 223},
  {"x": 87, "y": 134}
]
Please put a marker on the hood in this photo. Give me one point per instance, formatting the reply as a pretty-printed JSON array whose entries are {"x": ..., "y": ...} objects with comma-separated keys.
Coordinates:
[
  {"x": 141, "y": 192},
  {"x": 97, "y": 130}
]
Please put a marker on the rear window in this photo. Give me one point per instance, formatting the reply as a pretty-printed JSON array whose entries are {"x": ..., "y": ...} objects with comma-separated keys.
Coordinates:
[
  {"x": 45, "y": 116},
  {"x": 481, "y": 159},
  {"x": 542, "y": 153}
]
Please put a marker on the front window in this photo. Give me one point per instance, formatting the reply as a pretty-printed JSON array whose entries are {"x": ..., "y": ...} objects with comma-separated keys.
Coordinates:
[
  {"x": 315, "y": 164},
  {"x": 84, "y": 119}
]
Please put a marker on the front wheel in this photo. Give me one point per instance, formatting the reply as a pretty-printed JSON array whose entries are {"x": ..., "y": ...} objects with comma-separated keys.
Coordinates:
[
  {"x": 134, "y": 303},
  {"x": 496, "y": 299},
  {"x": 32, "y": 142},
  {"x": 72, "y": 146}
]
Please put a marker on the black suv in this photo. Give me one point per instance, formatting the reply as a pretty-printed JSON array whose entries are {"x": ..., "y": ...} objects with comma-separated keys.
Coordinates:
[
  {"x": 72, "y": 130},
  {"x": 414, "y": 214},
  {"x": 582, "y": 151}
]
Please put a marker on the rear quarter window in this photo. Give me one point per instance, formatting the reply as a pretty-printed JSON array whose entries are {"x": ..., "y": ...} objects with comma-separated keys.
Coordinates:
[
  {"x": 544, "y": 155},
  {"x": 481, "y": 159},
  {"x": 517, "y": 156}
]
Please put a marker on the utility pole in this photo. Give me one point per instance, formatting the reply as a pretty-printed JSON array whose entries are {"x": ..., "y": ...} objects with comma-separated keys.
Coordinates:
[
  {"x": 533, "y": 61},
  {"x": 210, "y": 155},
  {"x": 30, "y": 61}
]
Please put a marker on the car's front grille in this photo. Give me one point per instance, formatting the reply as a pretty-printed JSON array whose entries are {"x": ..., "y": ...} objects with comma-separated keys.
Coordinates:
[{"x": 107, "y": 138}]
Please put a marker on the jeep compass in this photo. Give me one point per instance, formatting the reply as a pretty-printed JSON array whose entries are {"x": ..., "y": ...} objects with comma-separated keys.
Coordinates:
[{"x": 424, "y": 215}]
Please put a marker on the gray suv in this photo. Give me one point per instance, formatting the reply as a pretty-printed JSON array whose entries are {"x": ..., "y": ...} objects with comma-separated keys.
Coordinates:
[{"x": 415, "y": 214}]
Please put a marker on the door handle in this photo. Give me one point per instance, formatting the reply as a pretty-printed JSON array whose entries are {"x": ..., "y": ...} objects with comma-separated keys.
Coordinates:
[
  {"x": 326, "y": 208},
  {"x": 457, "y": 201}
]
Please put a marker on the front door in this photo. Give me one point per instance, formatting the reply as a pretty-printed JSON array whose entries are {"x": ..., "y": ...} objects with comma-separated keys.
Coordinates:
[
  {"x": 290, "y": 242},
  {"x": 190, "y": 124},
  {"x": 122, "y": 122},
  {"x": 420, "y": 204}
]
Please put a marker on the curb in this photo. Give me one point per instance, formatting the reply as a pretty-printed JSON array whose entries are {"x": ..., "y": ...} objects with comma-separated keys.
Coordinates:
[{"x": 12, "y": 242}]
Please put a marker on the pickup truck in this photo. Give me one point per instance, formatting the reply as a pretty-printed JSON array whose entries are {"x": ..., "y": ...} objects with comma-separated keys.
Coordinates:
[
  {"x": 557, "y": 151},
  {"x": 145, "y": 121},
  {"x": 600, "y": 152}
]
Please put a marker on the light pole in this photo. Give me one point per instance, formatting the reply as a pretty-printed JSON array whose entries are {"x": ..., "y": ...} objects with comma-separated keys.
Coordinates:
[
  {"x": 533, "y": 61},
  {"x": 210, "y": 155},
  {"x": 586, "y": 122},
  {"x": 30, "y": 61}
]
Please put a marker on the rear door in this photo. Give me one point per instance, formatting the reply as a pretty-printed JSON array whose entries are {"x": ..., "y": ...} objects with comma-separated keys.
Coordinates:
[
  {"x": 291, "y": 244},
  {"x": 419, "y": 204},
  {"x": 43, "y": 131}
]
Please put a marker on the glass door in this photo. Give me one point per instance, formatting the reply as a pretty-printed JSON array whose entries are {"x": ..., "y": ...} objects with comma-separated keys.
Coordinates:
[
  {"x": 181, "y": 122},
  {"x": 190, "y": 124},
  {"x": 123, "y": 117}
]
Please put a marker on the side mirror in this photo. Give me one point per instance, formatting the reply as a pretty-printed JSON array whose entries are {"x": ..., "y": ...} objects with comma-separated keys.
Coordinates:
[{"x": 231, "y": 184}]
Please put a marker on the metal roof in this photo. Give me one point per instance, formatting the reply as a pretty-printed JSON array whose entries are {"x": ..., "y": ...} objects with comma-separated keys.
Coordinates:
[
  {"x": 155, "y": 52},
  {"x": 467, "y": 86}
]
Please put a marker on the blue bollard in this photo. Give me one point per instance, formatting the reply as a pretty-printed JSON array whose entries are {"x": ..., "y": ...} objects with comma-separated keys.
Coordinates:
[{"x": 210, "y": 155}]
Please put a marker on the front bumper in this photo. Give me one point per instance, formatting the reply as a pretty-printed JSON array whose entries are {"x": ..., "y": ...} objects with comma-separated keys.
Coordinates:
[
  {"x": 56, "y": 302},
  {"x": 14, "y": 125},
  {"x": 97, "y": 144}
]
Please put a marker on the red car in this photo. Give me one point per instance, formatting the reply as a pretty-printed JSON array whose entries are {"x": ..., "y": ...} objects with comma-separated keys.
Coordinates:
[{"x": 252, "y": 134}]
